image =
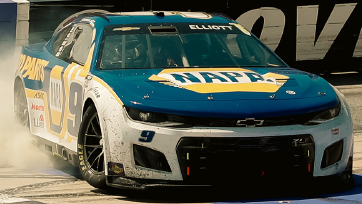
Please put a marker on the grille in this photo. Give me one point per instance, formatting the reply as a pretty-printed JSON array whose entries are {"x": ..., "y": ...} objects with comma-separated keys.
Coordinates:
[
  {"x": 215, "y": 160},
  {"x": 301, "y": 119}
]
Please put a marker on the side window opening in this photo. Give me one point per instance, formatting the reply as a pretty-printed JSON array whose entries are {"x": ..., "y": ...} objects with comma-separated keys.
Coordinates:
[
  {"x": 76, "y": 45},
  {"x": 82, "y": 44},
  {"x": 58, "y": 40}
]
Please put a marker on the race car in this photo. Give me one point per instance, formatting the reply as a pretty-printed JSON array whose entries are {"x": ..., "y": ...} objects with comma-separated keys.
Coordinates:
[{"x": 142, "y": 99}]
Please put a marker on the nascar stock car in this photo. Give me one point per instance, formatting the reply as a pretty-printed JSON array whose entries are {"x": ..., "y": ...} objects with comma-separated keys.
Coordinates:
[{"x": 140, "y": 99}]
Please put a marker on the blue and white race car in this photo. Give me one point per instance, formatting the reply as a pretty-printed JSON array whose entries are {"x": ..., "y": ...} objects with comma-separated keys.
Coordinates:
[{"x": 142, "y": 99}]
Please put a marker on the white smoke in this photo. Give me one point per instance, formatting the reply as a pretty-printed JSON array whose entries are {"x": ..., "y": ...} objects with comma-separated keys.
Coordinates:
[{"x": 17, "y": 146}]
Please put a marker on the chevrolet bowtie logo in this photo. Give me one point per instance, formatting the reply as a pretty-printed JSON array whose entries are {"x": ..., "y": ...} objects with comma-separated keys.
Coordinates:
[{"x": 249, "y": 122}]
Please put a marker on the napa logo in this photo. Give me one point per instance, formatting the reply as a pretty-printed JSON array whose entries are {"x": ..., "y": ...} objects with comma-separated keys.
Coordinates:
[{"x": 210, "y": 80}]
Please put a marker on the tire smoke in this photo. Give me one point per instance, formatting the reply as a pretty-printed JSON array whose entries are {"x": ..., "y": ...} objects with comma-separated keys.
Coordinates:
[{"x": 17, "y": 145}]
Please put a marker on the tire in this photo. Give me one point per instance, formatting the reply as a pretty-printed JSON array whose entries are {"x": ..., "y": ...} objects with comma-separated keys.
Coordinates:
[
  {"x": 90, "y": 149},
  {"x": 21, "y": 110}
]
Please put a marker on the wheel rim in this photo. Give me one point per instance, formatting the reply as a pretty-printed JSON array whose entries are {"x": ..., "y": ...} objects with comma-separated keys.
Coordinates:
[
  {"x": 93, "y": 145},
  {"x": 21, "y": 108}
]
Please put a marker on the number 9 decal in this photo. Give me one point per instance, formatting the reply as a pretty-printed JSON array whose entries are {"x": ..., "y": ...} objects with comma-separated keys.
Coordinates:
[{"x": 146, "y": 136}]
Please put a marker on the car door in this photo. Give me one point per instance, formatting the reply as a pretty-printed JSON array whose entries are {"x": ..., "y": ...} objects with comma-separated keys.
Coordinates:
[{"x": 64, "y": 88}]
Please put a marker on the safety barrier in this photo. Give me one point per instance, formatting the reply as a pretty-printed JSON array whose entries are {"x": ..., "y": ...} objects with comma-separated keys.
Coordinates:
[{"x": 14, "y": 25}]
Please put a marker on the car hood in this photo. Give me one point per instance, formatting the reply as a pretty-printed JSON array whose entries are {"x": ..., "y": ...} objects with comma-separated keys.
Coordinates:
[{"x": 221, "y": 92}]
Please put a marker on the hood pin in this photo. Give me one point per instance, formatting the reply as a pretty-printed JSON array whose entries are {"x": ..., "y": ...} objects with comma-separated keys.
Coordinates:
[
  {"x": 210, "y": 97},
  {"x": 290, "y": 92},
  {"x": 272, "y": 96},
  {"x": 146, "y": 96}
]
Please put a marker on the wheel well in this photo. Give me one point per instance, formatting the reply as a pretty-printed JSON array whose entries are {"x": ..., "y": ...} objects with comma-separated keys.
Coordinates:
[{"x": 87, "y": 103}]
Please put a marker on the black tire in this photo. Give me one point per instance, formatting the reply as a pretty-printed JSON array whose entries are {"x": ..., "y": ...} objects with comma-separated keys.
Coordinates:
[
  {"x": 90, "y": 149},
  {"x": 21, "y": 105}
]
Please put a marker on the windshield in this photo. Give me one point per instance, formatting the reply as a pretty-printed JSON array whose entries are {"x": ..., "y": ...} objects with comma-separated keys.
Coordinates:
[{"x": 183, "y": 45}]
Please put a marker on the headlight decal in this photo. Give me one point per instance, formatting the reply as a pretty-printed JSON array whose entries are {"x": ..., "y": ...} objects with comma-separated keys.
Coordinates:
[
  {"x": 327, "y": 115},
  {"x": 180, "y": 121}
]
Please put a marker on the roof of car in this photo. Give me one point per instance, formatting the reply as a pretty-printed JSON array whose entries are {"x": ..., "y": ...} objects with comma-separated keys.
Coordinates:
[
  {"x": 162, "y": 17},
  {"x": 140, "y": 17}
]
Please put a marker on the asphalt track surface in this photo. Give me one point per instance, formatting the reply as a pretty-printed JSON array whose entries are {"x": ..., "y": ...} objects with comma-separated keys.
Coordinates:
[
  {"x": 268, "y": 194},
  {"x": 62, "y": 184}
]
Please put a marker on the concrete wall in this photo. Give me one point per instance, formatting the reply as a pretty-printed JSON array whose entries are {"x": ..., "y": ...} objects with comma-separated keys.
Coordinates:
[{"x": 22, "y": 25}]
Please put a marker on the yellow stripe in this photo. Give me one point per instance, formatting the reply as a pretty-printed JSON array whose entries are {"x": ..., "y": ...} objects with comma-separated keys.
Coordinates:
[
  {"x": 87, "y": 65},
  {"x": 275, "y": 76},
  {"x": 56, "y": 72},
  {"x": 157, "y": 78},
  {"x": 75, "y": 71},
  {"x": 30, "y": 93},
  {"x": 94, "y": 34}
]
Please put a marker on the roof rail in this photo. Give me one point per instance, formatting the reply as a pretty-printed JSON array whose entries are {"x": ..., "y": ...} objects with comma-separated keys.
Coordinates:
[
  {"x": 85, "y": 13},
  {"x": 95, "y": 14},
  {"x": 221, "y": 15}
]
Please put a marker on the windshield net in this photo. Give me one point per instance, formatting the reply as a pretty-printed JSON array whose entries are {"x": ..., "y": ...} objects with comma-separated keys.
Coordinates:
[{"x": 182, "y": 45}]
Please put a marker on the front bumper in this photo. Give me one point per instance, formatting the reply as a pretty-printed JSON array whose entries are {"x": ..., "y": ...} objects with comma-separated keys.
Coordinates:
[{"x": 207, "y": 156}]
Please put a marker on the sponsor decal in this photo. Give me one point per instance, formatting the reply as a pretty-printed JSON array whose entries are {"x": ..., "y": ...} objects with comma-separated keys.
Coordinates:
[
  {"x": 96, "y": 92},
  {"x": 55, "y": 94},
  {"x": 249, "y": 122},
  {"x": 39, "y": 122},
  {"x": 115, "y": 169},
  {"x": 81, "y": 157},
  {"x": 335, "y": 131},
  {"x": 208, "y": 80},
  {"x": 65, "y": 42},
  {"x": 37, "y": 107},
  {"x": 210, "y": 27},
  {"x": 39, "y": 95},
  {"x": 126, "y": 28},
  {"x": 32, "y": 67}
]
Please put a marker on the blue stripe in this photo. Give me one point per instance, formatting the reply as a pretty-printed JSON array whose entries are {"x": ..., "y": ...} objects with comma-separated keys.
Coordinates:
[{"x": 8, "y": 11}]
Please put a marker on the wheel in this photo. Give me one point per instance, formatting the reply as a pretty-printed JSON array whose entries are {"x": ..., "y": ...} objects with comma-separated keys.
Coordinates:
[
  {"x": 21, "y": 105},
  {"x": 90, "y": 149}
]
